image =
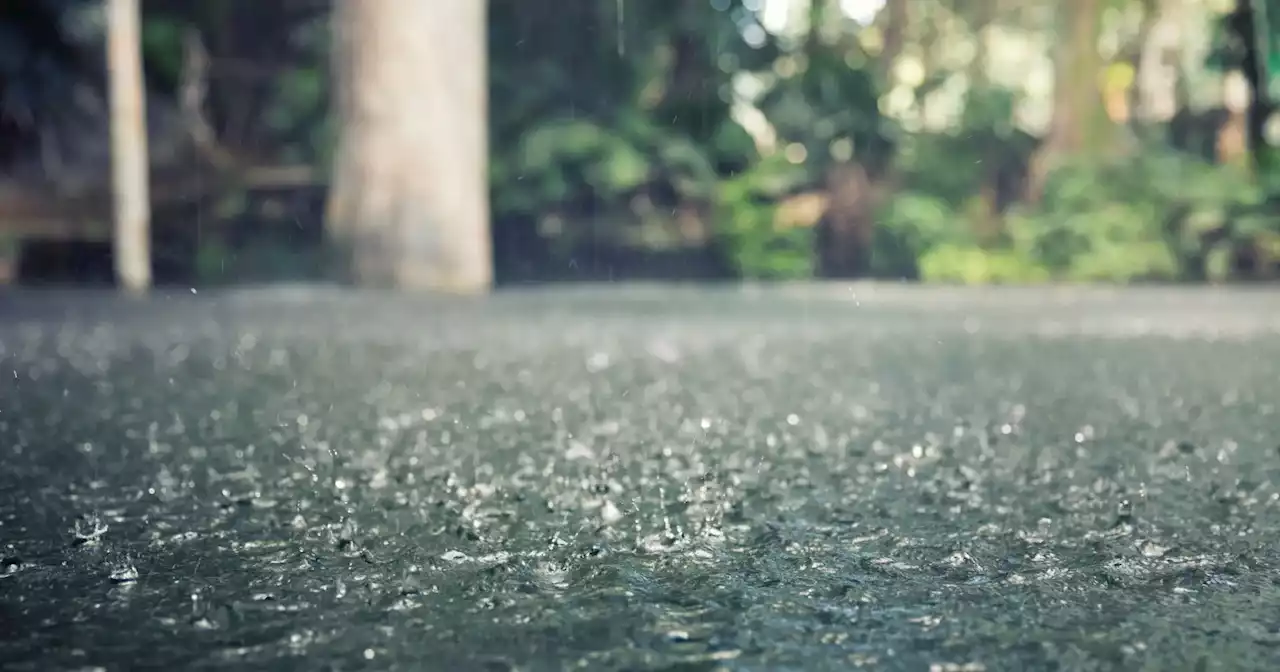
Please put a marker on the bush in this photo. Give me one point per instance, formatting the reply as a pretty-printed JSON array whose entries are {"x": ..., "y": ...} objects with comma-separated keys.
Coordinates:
[
  {"x": 972, "y": 265},
  {"x": 1157, "y": 215},
  {"x": 908, "y": 227},
  {"x": 751, "y": 232}
]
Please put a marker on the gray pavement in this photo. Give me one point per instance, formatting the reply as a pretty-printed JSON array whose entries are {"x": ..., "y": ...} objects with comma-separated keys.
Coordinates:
[{"x": 641, "y": 478}]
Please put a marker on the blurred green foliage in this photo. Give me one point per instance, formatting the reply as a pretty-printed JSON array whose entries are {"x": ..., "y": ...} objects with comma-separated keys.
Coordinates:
[
  {"x": 748, "y": 224},
  {"x": 1156, "y": 215},
  {"x": 583, "y": 140},
  {"x": 620, "y": 123}
]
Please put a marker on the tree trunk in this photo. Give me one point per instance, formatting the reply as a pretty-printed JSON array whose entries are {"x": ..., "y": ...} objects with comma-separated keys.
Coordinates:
[
  {"x": 982, "y": 16},
  {"x": 847, "y": 231},
  {"x": 1260, "y": 106},
  {"x": 409, "y": 202},
  {"x": 897, "y": 20},
  {"x": 129, "y": 163},
  {"x": 1080, "y": 123},
  {"x": 1141, "y": 63}
]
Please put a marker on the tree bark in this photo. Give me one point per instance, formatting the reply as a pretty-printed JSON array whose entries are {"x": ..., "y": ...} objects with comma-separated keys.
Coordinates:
[
  {"x": 409, "y": 201},
  {"x": 982, "y": 16},
  {"x": 1080, "y": 122},
  {"x": 129, "y": 163},
  {"x": 1141, "y": 63},
  {"x": 897, "y": 21}
]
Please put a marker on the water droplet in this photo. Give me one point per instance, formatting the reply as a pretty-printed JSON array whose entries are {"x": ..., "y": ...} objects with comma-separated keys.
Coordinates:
[
  {"x": 678, "y": 636},
  {"x": 609, "y": 513},
  {"x": 598, "y": 362},
  {"x": 124, "y": 572},
  {"x": 410, "y": 585},
  {"x": 455, "y": 557},
  {"x": 1151, "y": 549},
  {"x": 1124, "y": 512},
  {"x": 579, "y": 451},
  {"x": 10, "y": 566},
  {"x": 89, "y": 528},
  {"x": 345, "y": 538}
]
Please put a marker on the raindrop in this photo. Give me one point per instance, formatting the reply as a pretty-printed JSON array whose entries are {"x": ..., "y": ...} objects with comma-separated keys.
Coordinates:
[
  {"x": 10, "y": 566},
  {"x": 455, "y": 557},
  {"x": 598, "y": 362},
  {"x": 345, "y": 539},
  {"x": 609, "y": 513},
  {"x": 1124, "y": 512},
  {"x": 124, "y": 572},
  {"x": 89, "y": 528},
  {"x": 410, "y": 585},
  {"x": 1151, "y": 549}
]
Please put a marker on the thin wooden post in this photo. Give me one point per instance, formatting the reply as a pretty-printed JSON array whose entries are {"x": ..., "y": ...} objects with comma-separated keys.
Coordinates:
[{"x": 129, "y": 162}]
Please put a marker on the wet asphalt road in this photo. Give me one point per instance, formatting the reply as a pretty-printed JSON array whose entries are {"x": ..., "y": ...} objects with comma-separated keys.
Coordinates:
[{"x": 649, "y": 478}]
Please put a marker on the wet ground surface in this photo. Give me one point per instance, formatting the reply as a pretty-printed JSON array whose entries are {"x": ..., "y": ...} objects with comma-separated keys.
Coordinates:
[{"x": 654, "y": 478}]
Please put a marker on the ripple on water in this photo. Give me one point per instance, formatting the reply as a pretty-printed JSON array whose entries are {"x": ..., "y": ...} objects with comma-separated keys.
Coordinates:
[{"x": 758, "y": 492}]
